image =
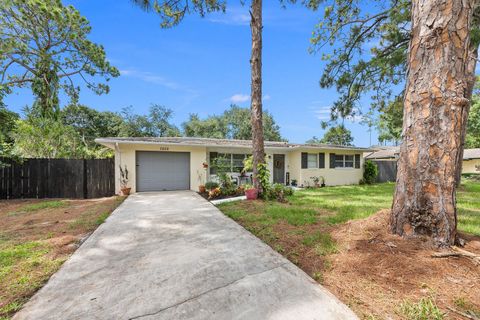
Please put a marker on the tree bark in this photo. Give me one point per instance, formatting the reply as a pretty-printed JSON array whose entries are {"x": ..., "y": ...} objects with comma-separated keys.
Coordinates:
[
  {"x": 256, "y": 89},
  {"x": 472, "y": 64},
  {"x": 436, "y": 105}
]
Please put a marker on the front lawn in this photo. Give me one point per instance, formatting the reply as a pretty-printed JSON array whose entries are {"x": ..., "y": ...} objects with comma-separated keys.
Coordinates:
[
  {"x": 36, "y": 237},
  {"x": 339, "y": 236}
]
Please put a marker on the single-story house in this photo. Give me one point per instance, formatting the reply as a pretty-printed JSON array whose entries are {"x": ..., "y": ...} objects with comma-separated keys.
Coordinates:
[
  {"x": 471, "y": 161},
  {"x": 471, "y": 157},
  {"x": 181, "y": 163}
]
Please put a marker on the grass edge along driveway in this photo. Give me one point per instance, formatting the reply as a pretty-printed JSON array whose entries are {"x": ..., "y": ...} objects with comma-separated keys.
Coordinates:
[{"x": 36, "y": 237}]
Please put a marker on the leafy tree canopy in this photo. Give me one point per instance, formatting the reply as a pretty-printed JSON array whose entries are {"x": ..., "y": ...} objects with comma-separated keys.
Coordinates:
[
  {"x": 90, "y": 123},
  {"x": 211, "y": 127},
  {"x": 390, "y": 122},
  {"x": 154, "y": 124},
  {"x": 234, "y": 123},
  {"x": 44, "y": 46},
  {"x": 368, "y": 43},
  {"x": 7, "y": 124},
  {"x": 472, "y": 140},
  {"x": 337, "y": 135},
  {"x": 47, "y": 138}
]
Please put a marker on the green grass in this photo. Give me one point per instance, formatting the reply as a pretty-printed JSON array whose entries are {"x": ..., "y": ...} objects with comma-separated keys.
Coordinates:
[
  {"x": 357, "y": 202},
  {"x": 101, "y": 218},
  {"x": 425, "y": 309},
  {"x": 40, "y": 206},
  {"x": 88, "y": 221},
  {"x": 468, "y": 206},
  {"x": 24, "y": 267},
  {"x": 322, "y": 242},
  {"x": 9, "y": 254},
  {"x": 271, "y": 213},
  {"x": 336, "y": 205},
  {"x": 27, "y": 261},
  {"x": 346, "y": 202}
]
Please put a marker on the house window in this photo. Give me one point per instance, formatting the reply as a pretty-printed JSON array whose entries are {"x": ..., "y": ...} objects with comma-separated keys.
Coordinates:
[
  {"x": 344, "y": 160},
  {"x": 226, "y": 161},
  {"x": 237, "y": 162},
  {"x": 312, "y": 161}
]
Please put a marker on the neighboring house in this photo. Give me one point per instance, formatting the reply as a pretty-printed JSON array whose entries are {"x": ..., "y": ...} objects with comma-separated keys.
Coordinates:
[
  {"x": 471, "y": 157},
  {"x": 182, "y": 163},
  {"x": 471, "y": 161}
]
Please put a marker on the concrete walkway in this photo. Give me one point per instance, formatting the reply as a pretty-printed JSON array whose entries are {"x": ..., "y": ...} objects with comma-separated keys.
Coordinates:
[{"x": 173, "y": 255}]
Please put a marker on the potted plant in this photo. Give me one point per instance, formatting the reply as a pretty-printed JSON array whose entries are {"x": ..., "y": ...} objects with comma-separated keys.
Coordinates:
[
  {"x": 202, "y": 188},
  {"x": 251, "y": 192},
  {"x": 322, "y": 179},
  {"x": 124, "y": 181},
  {"x": 316, "y": 181},
  {"x": 294, "y": 183}
]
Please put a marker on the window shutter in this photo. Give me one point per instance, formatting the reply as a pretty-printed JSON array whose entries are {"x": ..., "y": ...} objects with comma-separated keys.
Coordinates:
[
  {"x": 321, "y": 160},
  {"x": 357, "y": 161},
  {"x": 332, "y": 160},
  {"x": 304, "y": 160}
]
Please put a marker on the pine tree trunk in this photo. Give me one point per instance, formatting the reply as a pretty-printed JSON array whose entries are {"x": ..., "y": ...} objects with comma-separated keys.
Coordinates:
[
  {"x": 436, "y": 107},
  {"x": 256, "y": 88},
  {"x": 472, "y": 64}
]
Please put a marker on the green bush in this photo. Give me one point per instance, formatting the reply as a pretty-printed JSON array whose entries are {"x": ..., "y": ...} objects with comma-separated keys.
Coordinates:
[
  {"x": 471, "y": 176},
  {"x": 370, "y": 172},
  {"x": 229, "y": 190},
  {"x": 278, "y": 192},
  {"x": 211, "y": 185}
]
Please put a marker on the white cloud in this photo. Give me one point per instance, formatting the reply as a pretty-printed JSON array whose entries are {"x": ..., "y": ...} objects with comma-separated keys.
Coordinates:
[
  {"x": 322, "y": 113},
  {"x": 151, "y": 77},
  {"x": 238, "y": 98},
  {"x": 235, "y": 16}
]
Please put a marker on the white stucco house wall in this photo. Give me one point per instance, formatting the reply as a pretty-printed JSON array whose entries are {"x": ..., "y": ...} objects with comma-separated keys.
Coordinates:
[{"x": 179, "y": 163}]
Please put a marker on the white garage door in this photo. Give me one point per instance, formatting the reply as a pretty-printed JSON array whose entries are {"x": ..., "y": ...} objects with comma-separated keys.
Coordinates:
[{"x": 159, "y": 171}]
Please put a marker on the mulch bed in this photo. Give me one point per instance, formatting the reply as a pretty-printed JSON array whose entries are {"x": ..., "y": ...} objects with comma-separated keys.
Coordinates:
[{"x": 375, "y": 271}]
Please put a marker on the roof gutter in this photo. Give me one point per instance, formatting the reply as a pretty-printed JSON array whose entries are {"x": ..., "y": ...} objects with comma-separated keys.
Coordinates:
[{"x": 106, "y": 142}]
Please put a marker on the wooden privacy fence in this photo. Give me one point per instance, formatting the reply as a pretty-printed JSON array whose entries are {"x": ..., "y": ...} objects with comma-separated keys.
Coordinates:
[
  {"x": 387, "y": 170},
  {"x": 57, "y": 178}
]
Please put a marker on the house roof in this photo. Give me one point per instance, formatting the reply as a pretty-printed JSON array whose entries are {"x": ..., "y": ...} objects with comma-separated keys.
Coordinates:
[
  {"x": 391, "y": 152},
  {"x": 469, "y": 154},
  {"x": 384, "y": 153},
  {"x": 208, "y": 142}
]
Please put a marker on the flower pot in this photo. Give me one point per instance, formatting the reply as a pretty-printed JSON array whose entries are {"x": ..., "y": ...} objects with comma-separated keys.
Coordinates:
[
  {"x": 202, "y": 189},
  {"x": 126, "y": 191},
  {"x": 251, "y": 194}
]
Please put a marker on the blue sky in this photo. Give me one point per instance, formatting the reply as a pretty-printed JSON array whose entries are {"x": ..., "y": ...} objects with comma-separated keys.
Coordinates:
[{"x": 202, "y": 65}]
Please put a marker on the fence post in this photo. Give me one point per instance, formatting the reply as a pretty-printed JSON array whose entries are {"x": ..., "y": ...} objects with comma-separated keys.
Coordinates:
[{"x": 85, "y": 182}]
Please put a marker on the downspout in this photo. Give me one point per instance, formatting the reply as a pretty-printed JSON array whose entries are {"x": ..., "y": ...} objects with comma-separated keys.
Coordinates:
[{"x": 117, "y": 151}]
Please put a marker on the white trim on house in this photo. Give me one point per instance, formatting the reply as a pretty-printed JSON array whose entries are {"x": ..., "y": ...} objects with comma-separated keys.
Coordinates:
[{"x": 199, "y": 149}]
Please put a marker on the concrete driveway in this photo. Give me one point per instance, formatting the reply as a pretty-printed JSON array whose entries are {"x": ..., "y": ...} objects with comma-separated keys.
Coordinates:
[{"x": 173, "y": 255}]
